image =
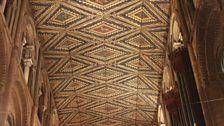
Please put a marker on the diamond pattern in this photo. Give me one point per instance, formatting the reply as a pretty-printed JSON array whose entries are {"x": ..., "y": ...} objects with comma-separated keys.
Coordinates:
[
  {"x": 102, "y": 2},
  {"x": 105, "y": 74},
  {"x": 71, "y": 66},
  {"x": 136, "y": 99},
  {"x": 105, "y": 53},
  {"x": 109, "y": 122},
  {"x": 141, "y": 15},
  {"x": 75, "y": 84},
  {"x": 101, "y": 5},
  {"x": 104, "y": 58},
  {"x": 106, "y": 108},
  {"x": 64, "y": 17},
  {"x": 140, "y": 41},
  {"x": 106, "y": 92},
  {"x": 69, "y": 42},
  {"x": 103, "y": 29}
]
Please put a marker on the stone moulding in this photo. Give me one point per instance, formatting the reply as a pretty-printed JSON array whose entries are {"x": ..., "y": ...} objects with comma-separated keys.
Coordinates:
[{"x": 5, "y": 52}]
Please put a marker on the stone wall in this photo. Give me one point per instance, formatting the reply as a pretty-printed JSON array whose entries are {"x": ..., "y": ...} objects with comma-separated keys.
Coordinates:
[
  {"x": 201, "y": 24},
  {"x": 25, "y": 93}
]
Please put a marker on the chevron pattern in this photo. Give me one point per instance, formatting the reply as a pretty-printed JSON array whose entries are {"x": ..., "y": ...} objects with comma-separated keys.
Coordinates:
[{"x": 104, "y": 58}]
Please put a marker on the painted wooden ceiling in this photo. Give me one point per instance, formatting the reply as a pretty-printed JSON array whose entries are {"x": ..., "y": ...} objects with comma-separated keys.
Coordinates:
[{"x": 104, "y": 58}]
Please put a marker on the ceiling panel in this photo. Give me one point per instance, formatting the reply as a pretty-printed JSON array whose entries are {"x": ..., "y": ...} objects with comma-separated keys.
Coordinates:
[{"x": 104, "y": 58}]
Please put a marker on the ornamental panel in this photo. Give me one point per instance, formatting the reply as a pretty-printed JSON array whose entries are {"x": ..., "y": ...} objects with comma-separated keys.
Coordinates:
[{"x": 104, "y": 58}]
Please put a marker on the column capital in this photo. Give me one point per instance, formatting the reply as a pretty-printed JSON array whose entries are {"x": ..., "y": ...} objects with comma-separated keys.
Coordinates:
[{"x": 28, "y": 62}]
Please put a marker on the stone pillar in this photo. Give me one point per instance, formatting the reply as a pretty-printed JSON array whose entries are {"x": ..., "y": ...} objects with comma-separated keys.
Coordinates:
[
  {"x": 27, "y": 64},
  {"x": 28, "y": 60}
]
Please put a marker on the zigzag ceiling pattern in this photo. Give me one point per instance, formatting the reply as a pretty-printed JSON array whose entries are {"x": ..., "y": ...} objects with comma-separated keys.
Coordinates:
[{"x": 104, "y": 58}]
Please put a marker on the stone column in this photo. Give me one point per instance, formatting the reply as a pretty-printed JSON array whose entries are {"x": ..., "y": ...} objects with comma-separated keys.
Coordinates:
[
  {"x": 27, "y": 64},
  {"x": 28, "y": 60}
]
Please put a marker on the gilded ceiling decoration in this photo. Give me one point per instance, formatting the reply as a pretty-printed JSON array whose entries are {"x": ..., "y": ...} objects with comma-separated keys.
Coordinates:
[{"x": 104, "y": 58}]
